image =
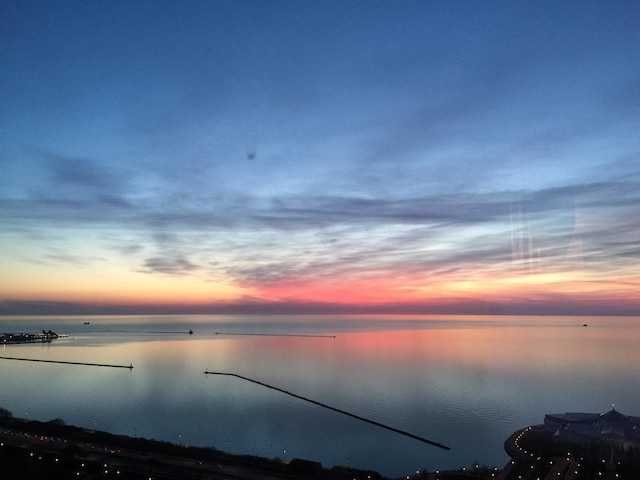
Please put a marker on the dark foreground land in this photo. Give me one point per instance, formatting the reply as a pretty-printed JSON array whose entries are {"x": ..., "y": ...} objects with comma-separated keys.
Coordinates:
[
  {"x": 31, "y": 450},
  {"x": 52, "y": 450}
]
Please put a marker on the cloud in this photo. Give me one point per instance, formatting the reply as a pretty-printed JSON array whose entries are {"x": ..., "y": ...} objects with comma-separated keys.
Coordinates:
[
  {"x": 126, "y": 248},
  {"x": 73, "y": 191},
  {"x": 169, "y": 266},
  {"x": 60, "y": 256},
  {"x": 110, "y": 204},
  {"x": 251, "y": 239},
  {"x": 79, "y": 172}
]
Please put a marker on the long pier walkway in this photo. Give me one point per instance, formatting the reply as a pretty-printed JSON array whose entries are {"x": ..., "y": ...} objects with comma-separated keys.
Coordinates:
[
  {"x": 323, "y": 405},
  {"x": 130, "y": 366}
]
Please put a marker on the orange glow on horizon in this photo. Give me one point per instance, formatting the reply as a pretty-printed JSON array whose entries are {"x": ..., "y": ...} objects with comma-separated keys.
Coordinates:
[
  {"x": 112, "y": 286},
  {"x": 118, "y": 286}
]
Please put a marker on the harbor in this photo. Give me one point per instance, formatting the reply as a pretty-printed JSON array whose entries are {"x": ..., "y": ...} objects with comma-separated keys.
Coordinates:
[{"x": 16, "y": 338}]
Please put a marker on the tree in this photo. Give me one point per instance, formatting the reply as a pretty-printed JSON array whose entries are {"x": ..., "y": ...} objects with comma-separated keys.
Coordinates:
[{"x": 4, "y": 413}]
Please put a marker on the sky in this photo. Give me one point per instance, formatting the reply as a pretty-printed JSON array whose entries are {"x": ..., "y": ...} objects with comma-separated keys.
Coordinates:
[{"x": 470, "y": 157}]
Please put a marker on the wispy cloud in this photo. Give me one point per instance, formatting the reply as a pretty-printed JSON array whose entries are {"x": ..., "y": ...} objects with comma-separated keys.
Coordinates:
[
  {"x": 422, "y": 147},
  {"x": 168, "y": 265}
]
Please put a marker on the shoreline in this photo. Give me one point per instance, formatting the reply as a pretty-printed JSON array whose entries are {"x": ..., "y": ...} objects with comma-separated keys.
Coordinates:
[{"x": 35, "y": 446}]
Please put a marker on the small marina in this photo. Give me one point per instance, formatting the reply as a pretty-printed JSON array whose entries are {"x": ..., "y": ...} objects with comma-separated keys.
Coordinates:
[{"x": 17, "y": 338}]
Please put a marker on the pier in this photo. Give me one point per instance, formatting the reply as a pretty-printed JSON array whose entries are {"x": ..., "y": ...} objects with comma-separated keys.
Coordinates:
[
  {"x": 274, "y": 335},
  {"x": 323, "y": 405},
  {"x": 130, "y": 366}
]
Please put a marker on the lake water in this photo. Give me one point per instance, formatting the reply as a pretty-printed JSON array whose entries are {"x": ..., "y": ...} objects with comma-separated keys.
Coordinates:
[{"x": 466, "y": 382}]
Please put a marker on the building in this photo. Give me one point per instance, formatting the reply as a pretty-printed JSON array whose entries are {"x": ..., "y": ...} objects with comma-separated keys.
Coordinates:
[
  {"x": 611, "y": 427},
  {"x": 571, "y": 446}
]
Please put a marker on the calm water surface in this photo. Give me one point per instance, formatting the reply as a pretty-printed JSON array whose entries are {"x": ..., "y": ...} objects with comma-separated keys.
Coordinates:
[{"x": 466, "y": 382}]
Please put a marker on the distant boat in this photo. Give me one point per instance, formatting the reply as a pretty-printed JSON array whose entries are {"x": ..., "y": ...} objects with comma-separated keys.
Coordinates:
[
  {"x": 86, "y": 323},
  {"x": 190, "y": 332},
  {"x": 585, "y": 325}
]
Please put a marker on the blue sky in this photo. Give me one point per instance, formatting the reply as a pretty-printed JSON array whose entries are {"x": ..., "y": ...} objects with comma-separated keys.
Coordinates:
[{"x": 365, "y": 156}]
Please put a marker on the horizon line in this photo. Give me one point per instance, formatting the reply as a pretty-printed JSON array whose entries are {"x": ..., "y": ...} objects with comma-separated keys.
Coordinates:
[{"x": 43, "y": 307}]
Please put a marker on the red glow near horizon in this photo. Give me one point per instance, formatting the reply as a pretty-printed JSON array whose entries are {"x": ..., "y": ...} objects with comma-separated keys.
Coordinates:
[
  {"x": 498, "y": 289},
  {"x": 490, "y": 286}
]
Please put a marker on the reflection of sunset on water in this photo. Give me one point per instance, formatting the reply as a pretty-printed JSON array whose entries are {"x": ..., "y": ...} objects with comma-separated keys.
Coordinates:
[{"x": 457, "y": 380}]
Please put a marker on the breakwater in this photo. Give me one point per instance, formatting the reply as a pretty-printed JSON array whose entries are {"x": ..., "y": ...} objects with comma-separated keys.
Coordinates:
[
  {"x": 343, "y": 412},
  {"x": 147, "y": 332},
  {"x": 274, "y": 335},
  {"x": 130, "y": 366}
]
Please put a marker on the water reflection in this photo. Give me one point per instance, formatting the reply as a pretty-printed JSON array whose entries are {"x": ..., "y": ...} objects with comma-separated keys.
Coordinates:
[{"x": 468, "y": 386}]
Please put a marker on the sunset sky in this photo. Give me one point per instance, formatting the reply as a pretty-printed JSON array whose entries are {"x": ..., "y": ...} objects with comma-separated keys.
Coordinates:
[{"x": 345, "y": 156}]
